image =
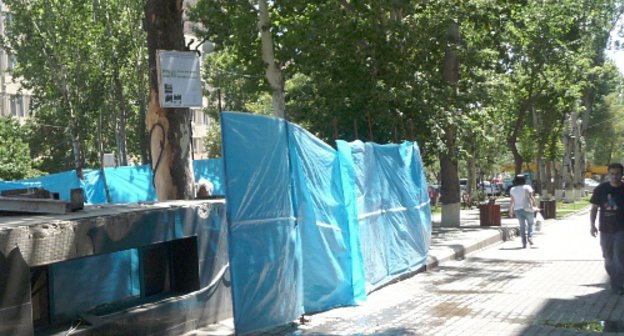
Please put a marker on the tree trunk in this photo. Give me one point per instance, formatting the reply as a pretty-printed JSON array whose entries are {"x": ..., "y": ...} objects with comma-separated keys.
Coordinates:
[
  {"x": 120, "y": 123},
  {"x": 369, "y": 120},
  {"x": 121, "y": 114},
  {"x": 273, "y": 71},
  {"x": 144, "y": 137},
  {"x": 449, "y": 193},
  {"x": 170, "y": 138},
  {"x": 471, "y": 167},
  {"x": 579, "y": 160},
  {"x": 101, "y": 153},
  {"x": 73, "y": 127},
  {"x": 548, "y": 176},
  {"x": 567, "y": 168},
  {"x": 539, "y": 160},
  {"x": 513, "y": 141},
  {"x": 519, "y": 123}
]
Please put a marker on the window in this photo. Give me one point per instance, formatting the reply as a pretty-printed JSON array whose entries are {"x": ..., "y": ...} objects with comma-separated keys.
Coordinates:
[
  {"x": 11, "y": 62},
  {"x": 6, "y": 21},
  {"x": 26, "y": 106},
  {"x": 199, "y": 117},
  {"x": 17, "y": 106},
  {"x": 198, "y": 145}
]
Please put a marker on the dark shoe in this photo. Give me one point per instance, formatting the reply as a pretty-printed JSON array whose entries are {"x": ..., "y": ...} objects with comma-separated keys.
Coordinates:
[{"x": 530, "y": 241}]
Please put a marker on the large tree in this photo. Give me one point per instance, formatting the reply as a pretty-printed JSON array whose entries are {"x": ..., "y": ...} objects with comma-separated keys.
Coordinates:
[
  {"x": 170, "y": 138},
  {"x": 81, "y": 66}
]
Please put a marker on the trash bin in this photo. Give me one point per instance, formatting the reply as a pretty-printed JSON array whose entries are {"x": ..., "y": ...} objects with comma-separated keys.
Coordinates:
[
  {"x": 489, "y": 214},
  {"x": 548, "y": 208}
]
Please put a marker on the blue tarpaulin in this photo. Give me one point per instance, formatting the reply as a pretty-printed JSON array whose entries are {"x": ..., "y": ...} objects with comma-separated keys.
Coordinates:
[
  {"x": 100, "y": 280},
  {"x": 126, "y": 184},
  {"x": 393, "y": 208},
  {"x": 129, "y": 184},
  {"x": 211, "y": 170},
  {"x": 264, "y": 242},
  {"x": 61, "y": 183},
  {"x": 362, "y": 211},
  {"x": 323, "y": 209}
]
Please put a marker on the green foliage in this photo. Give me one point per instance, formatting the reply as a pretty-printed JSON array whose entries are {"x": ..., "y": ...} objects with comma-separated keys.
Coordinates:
[
  {"x": 606, "y": 126},
  {"x": 15, "y": 161},
  {"x": 353, "y": 70},
  {"x": 366, "y": 71},
  {"x": 82, "y": 60}
]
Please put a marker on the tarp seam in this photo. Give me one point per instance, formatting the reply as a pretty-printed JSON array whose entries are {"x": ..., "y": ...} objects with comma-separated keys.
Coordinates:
[
  {"x": 398, "y": 209},
  {"x": 264, "y": 220}
]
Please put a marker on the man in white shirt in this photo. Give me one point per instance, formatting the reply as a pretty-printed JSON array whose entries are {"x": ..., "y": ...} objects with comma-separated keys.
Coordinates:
[{"x": 523, "y": 205}]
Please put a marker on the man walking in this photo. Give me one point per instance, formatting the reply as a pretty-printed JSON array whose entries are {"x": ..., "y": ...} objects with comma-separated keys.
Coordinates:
[
  {"x": 609, "y": 198},
  {"x": 523, "y": 204}
]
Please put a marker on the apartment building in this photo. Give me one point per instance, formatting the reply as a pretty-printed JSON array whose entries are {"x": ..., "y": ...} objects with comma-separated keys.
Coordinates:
[
  {"x": 14, "y": 100},
  {"x": 200, "y": 121}
]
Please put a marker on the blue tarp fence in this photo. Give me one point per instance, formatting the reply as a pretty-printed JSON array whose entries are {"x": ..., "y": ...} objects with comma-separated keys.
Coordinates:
[
  {"x": 126, "y": 184},
  {"x": 311, "y": 227}
]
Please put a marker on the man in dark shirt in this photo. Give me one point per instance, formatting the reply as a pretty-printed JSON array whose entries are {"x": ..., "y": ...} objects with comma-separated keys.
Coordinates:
[{"x": 609, "y": 198}]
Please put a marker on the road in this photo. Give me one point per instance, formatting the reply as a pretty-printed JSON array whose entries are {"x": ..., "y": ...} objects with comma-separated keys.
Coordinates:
[{"x": 557, "y": 287}]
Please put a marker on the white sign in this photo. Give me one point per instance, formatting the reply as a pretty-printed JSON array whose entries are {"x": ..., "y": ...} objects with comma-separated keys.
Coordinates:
[{"x": 179, "y": 83}]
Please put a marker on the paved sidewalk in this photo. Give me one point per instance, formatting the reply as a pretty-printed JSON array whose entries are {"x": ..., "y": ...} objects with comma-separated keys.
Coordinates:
[
  {"x": 556, "y": 287},
  {"x": 452, "y": 243},
  {"x": 447, "y": 245}
]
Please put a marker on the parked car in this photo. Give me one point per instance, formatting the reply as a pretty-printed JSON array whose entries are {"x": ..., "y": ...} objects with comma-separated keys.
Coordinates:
[
  {"x": 490, "y": 189},
  {"x": 590, "y": 184},
  {"x": 463, "y": 185}
]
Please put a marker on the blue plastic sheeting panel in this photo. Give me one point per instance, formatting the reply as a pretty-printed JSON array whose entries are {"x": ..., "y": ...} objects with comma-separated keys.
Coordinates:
[
  {"x": 126, "y": 184},
  {"x": 61, "y": 183},
  {"x": 8, "y": 185},
  {"x": 93, "y": 187},
  {"x": 332, "y": 268},
  {"x": 211, "y": 170},
  {"x": 130, "y": 184},
  {"x": 265, "y": 248},
  {"x": 393, "y": 209},
  {"x": 99, "y": 279}
]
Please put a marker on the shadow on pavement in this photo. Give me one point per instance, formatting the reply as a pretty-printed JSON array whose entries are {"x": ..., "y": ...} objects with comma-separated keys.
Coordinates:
[
  {"x": 600, "y": 312},
  {"x": 386, "y": 332}
]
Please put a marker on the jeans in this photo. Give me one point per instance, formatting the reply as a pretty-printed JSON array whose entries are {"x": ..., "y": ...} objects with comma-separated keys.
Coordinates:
[
  {"x": 612, "y": 245},
  {"x": 524, "y": 218}
]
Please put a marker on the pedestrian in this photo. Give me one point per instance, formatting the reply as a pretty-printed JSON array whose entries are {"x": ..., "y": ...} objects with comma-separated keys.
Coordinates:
[
  {"x": 523, "y": 204},
  {"x": 467, "y": 200},
  {"x": 609, "y": 198}
]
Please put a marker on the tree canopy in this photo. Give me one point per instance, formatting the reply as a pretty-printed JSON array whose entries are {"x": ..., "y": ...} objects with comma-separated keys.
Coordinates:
[
  {"x": 85, "y": 64},
  {"x": 15, "y": 160},
  {"x": 527, "y": 75}
]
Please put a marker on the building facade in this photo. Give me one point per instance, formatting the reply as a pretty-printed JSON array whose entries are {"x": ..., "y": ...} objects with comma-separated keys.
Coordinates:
[{"x": 14, "y": 100}]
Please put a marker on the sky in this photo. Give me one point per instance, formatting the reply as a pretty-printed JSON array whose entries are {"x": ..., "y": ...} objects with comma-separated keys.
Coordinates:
[
  {"x": 617, "y": 55},
  {"x": 618, "y": 58}
]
